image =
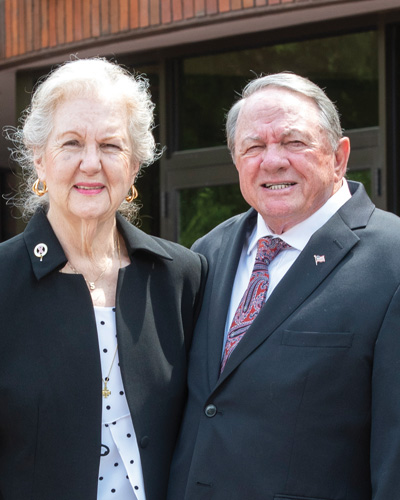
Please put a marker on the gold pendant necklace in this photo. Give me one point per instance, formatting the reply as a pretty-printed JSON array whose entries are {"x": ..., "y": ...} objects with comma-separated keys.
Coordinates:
[
  {"x": 106, "y": 391},
  {"x": 92, "y": 284}
]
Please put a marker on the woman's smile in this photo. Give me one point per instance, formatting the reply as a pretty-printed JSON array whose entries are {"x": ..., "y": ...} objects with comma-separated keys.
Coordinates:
[{"x": 87, "y": 188}]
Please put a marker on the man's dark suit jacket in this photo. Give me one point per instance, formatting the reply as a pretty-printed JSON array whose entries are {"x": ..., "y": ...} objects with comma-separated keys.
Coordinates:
[
  {"x": 50, "y": 373},
  {"x": 308, "y": 406}
]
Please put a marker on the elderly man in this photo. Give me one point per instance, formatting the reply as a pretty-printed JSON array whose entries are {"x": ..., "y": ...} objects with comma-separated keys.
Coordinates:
[{"x": 294, "y": 379}]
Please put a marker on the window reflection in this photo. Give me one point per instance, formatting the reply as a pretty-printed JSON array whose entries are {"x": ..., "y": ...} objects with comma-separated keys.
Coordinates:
[
  {"x": 148, "y": 184},
  {"x": 363, "y": 176},
  {"x": 201, "y": 209},
  {"x": 346, "y": 66}
]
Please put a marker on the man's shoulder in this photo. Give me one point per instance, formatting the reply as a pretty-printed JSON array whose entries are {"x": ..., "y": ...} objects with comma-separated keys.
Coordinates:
[
  {"x": 360, "y": 213},
  {"x": 228, "y": 228},
  {"x": 385, "y": 225},
  {"x": 389, "y": 217}
]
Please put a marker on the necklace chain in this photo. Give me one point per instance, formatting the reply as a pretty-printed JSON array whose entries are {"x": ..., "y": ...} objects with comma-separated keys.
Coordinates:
[
  {"x": 106, "y": 391},
  {"x": 92, "y": 284}
]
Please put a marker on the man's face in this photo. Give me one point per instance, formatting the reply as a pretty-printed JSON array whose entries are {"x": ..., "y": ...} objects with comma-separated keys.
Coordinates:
[{"x": 287, "y": 168}]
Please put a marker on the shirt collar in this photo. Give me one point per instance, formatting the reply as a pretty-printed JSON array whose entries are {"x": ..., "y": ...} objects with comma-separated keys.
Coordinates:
[
  {"x": 39, "y": 232},
  {"x": 298, "y": 236}
]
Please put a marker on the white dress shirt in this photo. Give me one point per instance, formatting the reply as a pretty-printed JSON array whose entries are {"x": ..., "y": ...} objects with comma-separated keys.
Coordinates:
[{"x": 297, "y": 237}]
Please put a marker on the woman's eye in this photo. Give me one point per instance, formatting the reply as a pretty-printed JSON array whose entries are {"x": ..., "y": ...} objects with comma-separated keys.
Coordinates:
[
  {"x": 110, "y": 146},
  {"x": 71, "y": 143}
]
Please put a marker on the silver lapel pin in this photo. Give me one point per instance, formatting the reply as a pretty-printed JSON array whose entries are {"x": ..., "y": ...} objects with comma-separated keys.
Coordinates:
[{"x": 40, "y": 250}]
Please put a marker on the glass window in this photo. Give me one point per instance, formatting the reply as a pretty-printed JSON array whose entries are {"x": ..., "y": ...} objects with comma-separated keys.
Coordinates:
[
  {"x": 363, "y": 176},
  {"x": 148, "y": 184},
  {"x": 201, "y": 209},
  {"x": 11, "y": 222},
  {"x": 346, "y": 66}
]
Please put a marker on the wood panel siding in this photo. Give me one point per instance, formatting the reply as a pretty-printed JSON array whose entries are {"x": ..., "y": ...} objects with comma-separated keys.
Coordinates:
[{"x": 29, "y": 26}]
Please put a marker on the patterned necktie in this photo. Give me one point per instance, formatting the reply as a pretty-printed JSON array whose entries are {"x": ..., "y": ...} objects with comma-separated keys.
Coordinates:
[{"x": 255, "y": 294}]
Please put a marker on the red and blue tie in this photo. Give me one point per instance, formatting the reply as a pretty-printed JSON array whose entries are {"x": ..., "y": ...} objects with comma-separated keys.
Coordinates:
[{"x": 255, "y": 295}]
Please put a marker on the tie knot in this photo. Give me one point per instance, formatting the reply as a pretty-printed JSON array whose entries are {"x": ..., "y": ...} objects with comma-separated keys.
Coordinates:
[{"x": 268, "y": 248}]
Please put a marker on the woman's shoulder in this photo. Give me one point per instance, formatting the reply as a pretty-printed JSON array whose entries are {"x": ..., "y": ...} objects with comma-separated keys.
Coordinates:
[
  {"x": 180, "y": 257},
  {"x": 175, "y": 249},
  {"x": 14, "y": 260},
  {"x": 12, "y": 246},
  {"x": 139, "y": 241}
]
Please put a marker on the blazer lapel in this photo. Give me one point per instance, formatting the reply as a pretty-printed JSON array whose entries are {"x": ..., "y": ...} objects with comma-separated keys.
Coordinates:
[
  {"x": 228, "y": 258},
  {"x": 139, "y": 354},
  {"x": 333, "y": 241}
]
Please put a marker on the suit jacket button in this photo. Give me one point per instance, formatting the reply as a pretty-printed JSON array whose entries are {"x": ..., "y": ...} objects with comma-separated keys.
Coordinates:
[
  {"x": 144, "y": 441},
  {"x": 210, "y": 411}
]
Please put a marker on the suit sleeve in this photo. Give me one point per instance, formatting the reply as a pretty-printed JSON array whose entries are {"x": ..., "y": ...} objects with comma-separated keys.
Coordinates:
[{"x": 385, "y": 408}]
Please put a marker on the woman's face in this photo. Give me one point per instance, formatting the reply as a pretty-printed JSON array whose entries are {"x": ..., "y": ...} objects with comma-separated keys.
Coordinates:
[{"x": 87, "y": 163}]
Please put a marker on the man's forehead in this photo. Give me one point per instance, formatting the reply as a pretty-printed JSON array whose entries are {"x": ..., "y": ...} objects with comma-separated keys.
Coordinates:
[
  {"x": 272, "y": 105},
  {"x": 274, "y": 100},
  {"x": 277, "y": 90}
]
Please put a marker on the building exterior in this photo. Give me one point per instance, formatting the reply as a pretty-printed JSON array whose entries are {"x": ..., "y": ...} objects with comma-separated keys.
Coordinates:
[{"x": 197, "y": 55}]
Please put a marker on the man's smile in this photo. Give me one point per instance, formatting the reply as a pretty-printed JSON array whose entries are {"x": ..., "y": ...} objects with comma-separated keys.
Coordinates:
[{"x": 283, "y": 185}]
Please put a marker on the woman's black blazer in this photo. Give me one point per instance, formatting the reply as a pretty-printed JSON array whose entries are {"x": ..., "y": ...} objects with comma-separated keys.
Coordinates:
[{"x": 50, "y": 375}]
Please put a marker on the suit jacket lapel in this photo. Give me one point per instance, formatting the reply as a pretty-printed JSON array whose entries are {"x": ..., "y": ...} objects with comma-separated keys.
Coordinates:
[
  {"x": 334, "y": 241},
  {"x": 228, "y": 258}
]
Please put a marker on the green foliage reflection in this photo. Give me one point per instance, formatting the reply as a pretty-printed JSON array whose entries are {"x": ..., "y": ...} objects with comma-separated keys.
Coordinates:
[
  {"x": 201, "y": 209},
  {"x": 363, "y": 176}
]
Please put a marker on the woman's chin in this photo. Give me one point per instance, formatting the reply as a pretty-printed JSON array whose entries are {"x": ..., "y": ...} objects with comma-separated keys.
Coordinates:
[{"x": 89, "y": 214}]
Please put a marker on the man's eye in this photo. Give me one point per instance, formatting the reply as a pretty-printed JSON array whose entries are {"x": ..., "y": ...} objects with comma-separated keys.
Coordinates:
[{"x": 255, "y": 147}]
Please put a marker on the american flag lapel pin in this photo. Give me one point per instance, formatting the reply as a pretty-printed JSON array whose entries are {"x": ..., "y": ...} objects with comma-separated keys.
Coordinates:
[{"x": 319, "y": 259}]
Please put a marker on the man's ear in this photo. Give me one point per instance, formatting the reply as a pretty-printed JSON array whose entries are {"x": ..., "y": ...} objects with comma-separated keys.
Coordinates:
[{"x": 341, "y": 158}]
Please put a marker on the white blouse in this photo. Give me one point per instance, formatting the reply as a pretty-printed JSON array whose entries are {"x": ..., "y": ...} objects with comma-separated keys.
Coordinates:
[{"x": 120, "y": 472}]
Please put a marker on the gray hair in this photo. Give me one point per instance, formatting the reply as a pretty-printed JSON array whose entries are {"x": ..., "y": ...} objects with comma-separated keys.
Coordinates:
[
  {"x": 81, "y": 78},
  {"x": 329, "y": 116}
]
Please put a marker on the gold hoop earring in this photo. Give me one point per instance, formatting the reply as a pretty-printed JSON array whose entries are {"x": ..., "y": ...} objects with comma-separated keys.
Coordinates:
[
  {"x": 134, "y": 194},
  {"x": 37, "y": 190}
]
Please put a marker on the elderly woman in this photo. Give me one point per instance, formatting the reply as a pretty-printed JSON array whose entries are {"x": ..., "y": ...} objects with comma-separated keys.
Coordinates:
[{"x": 96, "y": 316}]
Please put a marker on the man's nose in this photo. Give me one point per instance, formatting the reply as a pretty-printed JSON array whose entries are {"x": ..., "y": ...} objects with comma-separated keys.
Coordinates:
[{"x": 274, "y": 157}]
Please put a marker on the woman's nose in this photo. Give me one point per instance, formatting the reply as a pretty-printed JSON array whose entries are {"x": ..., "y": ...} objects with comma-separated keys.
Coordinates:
[{"x": 91, "y": 162}]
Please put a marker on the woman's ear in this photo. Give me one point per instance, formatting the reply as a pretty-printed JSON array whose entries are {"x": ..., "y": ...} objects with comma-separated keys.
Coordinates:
[
  {"x": 39, "y": 164},
  {"x": 135, "y": 170}
]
